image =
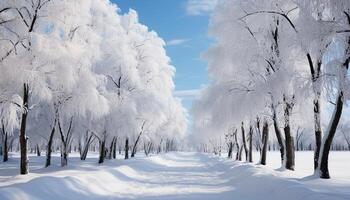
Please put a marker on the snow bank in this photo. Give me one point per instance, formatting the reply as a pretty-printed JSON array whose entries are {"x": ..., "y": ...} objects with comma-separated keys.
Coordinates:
[{"x": 168, "y": 176}]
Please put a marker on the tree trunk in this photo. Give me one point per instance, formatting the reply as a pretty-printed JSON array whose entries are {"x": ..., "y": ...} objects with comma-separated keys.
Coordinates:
[
  {"x": 265, "y": 138},
  {"x": 315, "y": 74},
  {"x": 49, "y": 146},
  {"x": 114, "y": 154},
  {"x": 22, "y": 137},
  {"x": 278, "y": 133},
  {"x": 127, "y": 148},
  {"x": 66, "y": 140},
  {"x": 84, "y": 152},
  {"x": 237, "y": 146},
  {"x": 318, "y": 130},
  {"x": 230, "y": 148},
  {"x": 240, "y": 153},
  {"x": 250, "y": 144},
  {"x": 64, "y": 158},
  {"x": 2, "y": 145},
  {"x": 110, "y": 152},
  {"x": 102, "y": 151},
  {"x": 289, "y": 140},
  {"x": 244, "y": 142},
  {"x": 5, "y": 148},
  {"x": 134, "y": 148},
  {"x": 324, "y": 172},
  {"x": 38, "y": 153},
  {"x": 84, "y": 149}
]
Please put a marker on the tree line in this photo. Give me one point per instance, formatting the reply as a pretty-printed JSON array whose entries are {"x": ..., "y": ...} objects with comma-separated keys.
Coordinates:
[
  {"x": 276, "y": 68},
  {"x": 80, "y": 76}
]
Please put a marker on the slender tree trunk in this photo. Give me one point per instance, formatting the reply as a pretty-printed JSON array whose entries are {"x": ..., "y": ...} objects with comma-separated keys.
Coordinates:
[
  {"x": 65, "y": 146},
  {"x": 38, "y": 153},
  {"x": 237, "y": 145},
  {"x": 22, "y": 137},
  {"x": 244, "y": 142},
  {"x": 237, "y": 153},
  {"x": 265, "y": 138},
  {"x": 5, "y": 148},
  {"x": 127, "y": 148},
  {"x": 318, "y": 130},
  {"x": 289, "y": 140},
  {"x": 315, "y": 74},
  {"x": 324, "y": 172},
  {"x": 64, "y": 157},
  {"x": 110, "y": 149},
  {"x": 278, "y": 133},
  {"x": 240, "y": 153},
  {"x": 85, "y": 152},
  {"x": 250, "y": 144},
  {"x": 134, "y": 148},
  {"x": 114, "y": 154},
  {"x": 230, "y": 148},
  {"x": 102, "y": 151},
  {"x": 84, "y": 149},
  {"x": 64, "y": 154},
  {"x": 2, "y": 145}
]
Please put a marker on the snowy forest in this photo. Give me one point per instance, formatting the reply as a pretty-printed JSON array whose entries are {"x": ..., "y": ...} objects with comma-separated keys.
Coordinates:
[
  {"x": 89, "y": 104},
  {"x": 83, "y": 80},
  {"x": 281, "y": 65}
]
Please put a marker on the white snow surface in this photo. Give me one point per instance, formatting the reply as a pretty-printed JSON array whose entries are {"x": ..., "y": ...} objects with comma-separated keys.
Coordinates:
[{"x": 177, "y": 175}]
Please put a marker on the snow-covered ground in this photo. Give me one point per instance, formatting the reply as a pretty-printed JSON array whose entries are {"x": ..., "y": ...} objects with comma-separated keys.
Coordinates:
[{"x": 175, "y": 176}]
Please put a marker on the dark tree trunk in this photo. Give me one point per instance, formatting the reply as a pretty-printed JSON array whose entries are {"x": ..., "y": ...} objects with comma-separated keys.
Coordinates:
[
  {"x": 84, "y": 149},
  {"x": 290, "y": 151},
  {"x": 244, "y": 142},
  {"x": 2, "y": 145},
  {"x": 250, "y": 144},
  {"x": 315, "y": 74},
  {"x": 324, "y": 172},
  {"x": 5, "y": 148},
  {"x": 289, "y": 140},
  {"x": 38, "y": 153},
  {"x": 64, "y": 158},
  {"x": 49, "y": 146},
  {"x": 102, "y": 151},
  {"x": 65, "y": 140},
  {"x": 230, "y": 148},
  {"x": 237, "y": 146},
  {"x": 134, "y": 148},
  {"x": 237, "y": 153},
  {"x": 84, "y": 152},
  {"x": 278, "y": 133},
  {"x": 265, "y": 138},
  {"x": 22, "y": 137},
  {"x": 240, "y": 153},
  {"x": 114, "y": 154},
  {"x": 111, "y": 150},
  {"x": 127, "y": 148}
]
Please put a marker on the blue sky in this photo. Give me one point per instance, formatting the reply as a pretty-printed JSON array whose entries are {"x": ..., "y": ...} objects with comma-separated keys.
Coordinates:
[{"x": 183, "y": 25}]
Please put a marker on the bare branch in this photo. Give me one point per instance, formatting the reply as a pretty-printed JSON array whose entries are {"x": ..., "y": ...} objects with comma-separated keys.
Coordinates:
[{"x": 275, "y": 13}]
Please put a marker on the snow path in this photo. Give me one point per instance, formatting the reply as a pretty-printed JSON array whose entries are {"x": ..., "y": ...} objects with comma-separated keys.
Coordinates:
[{"x": 167, "y": 176}]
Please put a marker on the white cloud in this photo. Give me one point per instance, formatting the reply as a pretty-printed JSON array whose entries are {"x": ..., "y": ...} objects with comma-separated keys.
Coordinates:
[
  {"x": 176, "y": 42},
  {"x": 200, "y": 7},
  {"x": 187, "y": 94}
]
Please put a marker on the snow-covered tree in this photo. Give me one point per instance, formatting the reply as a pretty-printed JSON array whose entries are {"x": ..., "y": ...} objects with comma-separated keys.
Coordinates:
[{"x": 73, "y": 70}]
